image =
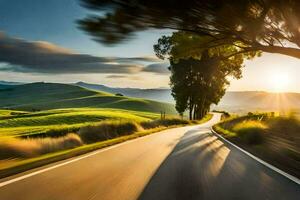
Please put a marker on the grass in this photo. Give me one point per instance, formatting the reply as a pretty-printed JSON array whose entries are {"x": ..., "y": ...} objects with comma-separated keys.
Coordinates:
[
  {"x": 17, "y": 148},
  {"x": 61, "y": 121},
  {"x": 250, "y": 131},
  {"x": 165, "y": 122},
  {"x": 108, "y": 130},
  {"x": 273, "y": 138}
]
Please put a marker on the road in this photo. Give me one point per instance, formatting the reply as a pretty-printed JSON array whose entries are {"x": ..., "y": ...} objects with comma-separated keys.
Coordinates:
[{"x": 177, "y": 164}]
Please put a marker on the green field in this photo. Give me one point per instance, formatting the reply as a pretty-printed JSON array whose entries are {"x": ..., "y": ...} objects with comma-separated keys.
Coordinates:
[
  {"x": 62, "y": 120},
  {"x": 53, "y": 109},
  {"x": 46, "y": 96}
]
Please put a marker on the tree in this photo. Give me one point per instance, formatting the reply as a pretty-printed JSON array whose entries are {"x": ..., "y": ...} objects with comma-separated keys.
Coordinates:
[
  {"x": 181, "y": 90},
  {"x": 251, "y": 25},
  {"x": 195, "y": 86},
  {"x": 198, "y": 78}
]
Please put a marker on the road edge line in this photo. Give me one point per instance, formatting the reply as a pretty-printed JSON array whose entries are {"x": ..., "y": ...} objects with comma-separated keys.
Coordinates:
[
  {"x": 75, "y": 159},
  {"x": 272, "y": 167}
]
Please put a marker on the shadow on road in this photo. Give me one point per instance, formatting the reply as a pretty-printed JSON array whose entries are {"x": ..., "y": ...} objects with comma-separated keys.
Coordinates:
[{"x": 203, "y": 167}]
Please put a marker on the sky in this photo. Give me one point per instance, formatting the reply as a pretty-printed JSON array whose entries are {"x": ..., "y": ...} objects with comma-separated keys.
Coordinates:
[{"x": 40, "y": 41}]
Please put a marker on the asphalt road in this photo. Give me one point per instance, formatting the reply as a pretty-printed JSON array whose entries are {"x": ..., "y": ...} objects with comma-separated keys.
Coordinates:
[{"x": 178, "y": 164}]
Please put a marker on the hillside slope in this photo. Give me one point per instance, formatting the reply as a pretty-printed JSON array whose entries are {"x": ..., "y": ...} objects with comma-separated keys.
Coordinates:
[
  {"x": 157, "y": 94},
  {"x": 44, "y": 96},
  {"x": 259, "y": 101},
  {"x": 101, "y": 96},
  {"x": 240, "y": 101}
]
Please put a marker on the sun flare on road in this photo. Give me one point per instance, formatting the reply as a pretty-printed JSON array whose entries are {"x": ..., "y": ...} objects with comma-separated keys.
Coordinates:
[{"x": 279, "y": 81}]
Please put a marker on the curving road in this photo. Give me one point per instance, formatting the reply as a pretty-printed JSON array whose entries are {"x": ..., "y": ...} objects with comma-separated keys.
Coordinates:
[{"x": 178, "y": 164}]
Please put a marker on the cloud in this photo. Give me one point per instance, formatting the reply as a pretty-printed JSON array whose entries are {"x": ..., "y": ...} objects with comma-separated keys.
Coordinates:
[
  {"x": 157, "y": 68},
  {"x": 144, "y": 59},
  {"x": 116, "y": 76},
  {"x": 130, "y": 77},
  {"x": 43, "y": 57}
]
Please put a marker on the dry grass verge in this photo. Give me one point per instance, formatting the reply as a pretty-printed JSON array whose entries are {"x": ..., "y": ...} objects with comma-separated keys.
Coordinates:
[
  {"x": 108, "y": 130},
  {"x": 27, "y": 148},
  {"x": 273, "y": 139}
]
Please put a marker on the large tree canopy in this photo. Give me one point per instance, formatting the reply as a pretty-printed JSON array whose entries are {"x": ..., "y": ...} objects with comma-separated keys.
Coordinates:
[
  {"x": 199, "y": 78},
  {"x": 267, "y": 25}
]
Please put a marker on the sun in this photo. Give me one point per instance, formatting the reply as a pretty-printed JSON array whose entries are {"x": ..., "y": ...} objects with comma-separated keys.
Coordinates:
[{"x": 279, "y": 81}]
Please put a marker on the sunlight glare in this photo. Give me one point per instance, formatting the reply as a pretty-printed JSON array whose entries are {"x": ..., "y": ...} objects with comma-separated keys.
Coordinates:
[{"x": 279, "y": 81}]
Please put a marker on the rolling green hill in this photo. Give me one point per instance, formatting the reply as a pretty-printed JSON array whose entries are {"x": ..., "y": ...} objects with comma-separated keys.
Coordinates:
[
  {"x": 16, "y": 123},
  {"x": 45, "y": 96}
]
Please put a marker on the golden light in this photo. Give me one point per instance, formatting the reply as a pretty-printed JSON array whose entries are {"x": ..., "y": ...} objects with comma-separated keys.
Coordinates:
[{"x": 279, "y": 81}]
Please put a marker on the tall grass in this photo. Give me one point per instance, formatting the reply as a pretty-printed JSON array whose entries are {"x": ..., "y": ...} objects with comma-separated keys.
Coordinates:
[
  {"x": 163, "y": 122},
  {"x": 250, "y": 131},
  {"x": 270, "y": 137},
  {"x": 25, "y": 148},
  {"x": 112, "y": 129},
  {"x": 108, "y": 130}
]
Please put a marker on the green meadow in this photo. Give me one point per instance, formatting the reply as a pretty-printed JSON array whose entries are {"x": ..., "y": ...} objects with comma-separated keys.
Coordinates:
[
  {"x": 46, "y": 96},
  {"x": 53, "y": 109},
  {"x": 60, "y": 121}
]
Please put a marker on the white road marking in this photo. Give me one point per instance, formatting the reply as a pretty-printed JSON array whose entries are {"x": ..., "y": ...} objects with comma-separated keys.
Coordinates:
[
  {"x": 292, "y": 178},
  {"x": 58, "y": 165}
]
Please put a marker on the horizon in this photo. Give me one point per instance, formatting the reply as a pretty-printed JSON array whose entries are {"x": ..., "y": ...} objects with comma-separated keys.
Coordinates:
[{"x": 162, "y": 88}]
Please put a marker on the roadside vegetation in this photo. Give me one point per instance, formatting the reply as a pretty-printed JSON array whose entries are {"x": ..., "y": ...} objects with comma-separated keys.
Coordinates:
[
  {"x": 275, "y": 139},
  {"x": 27, "y": 148},
  {"x": 30, "y": 139}
]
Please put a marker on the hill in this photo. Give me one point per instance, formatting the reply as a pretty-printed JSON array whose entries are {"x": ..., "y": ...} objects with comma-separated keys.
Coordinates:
[
  {"x": 44, "y": 96},
  {"x": 93, "y": 95},
  {"x": 240, "y": 101},
  {"x": 156, "y": 94},
  {"x": 60, "y": 121},
  {"x": 7, "y": 84}
]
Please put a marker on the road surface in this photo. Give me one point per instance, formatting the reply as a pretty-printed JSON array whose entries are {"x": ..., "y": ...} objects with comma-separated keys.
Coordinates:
[{"x": 178, "y": 164}]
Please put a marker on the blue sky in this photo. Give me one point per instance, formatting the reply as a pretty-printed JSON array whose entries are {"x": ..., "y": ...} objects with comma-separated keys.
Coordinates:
[{"x": 54, "y": 21}]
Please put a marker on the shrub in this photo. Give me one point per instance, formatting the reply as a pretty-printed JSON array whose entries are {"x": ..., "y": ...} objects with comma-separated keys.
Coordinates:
[
  {"x": 58, "y": 132},
  {"x": 24, "y": 148},
  {"x": 250, "y": 114},
  {"x": 107, "y": 130},
  {"x": 224, "y": 115},
  {"x": 250, "y": 131},
  {"x": 54, "y": 132},
  {"x": 163, "y": 122}
]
